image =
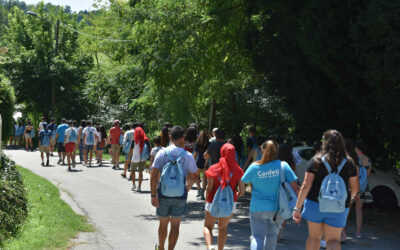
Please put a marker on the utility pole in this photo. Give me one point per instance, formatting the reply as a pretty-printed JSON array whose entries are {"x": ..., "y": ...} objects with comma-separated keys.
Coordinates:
[{"x": 53, "y": 84}]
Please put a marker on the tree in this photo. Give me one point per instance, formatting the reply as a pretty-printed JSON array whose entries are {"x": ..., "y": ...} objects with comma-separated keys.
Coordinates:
[
  {"x": 6, "y": 107},
  {"x": 31, "y": 65},
  {"x": 334, "y": 65}
]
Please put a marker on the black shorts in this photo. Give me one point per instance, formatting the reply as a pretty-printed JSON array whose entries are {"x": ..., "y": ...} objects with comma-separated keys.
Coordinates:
[{"x": 60, "y": 147}]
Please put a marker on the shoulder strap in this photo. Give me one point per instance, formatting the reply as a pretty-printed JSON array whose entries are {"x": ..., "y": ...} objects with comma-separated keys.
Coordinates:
[
  {"x": 282, "y": 172},
  {"x": 326, "y": 164},
  {"x": 342, "y": 165}
]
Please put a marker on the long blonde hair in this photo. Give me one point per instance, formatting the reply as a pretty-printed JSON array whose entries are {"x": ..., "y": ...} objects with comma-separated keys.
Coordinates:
[{"x": 269, "y": 152}]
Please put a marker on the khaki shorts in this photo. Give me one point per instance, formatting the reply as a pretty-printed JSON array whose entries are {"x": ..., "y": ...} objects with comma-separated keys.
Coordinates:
[
  {"x": 44, "y": 149},
  {"x": 115, "y": 148},
  {"x": 138, "y": 166},
  {"x": 52, "y": 142}
]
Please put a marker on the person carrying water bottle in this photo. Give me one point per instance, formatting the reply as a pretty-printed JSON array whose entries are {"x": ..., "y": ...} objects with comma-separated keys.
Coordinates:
[
  {"x": 172, "y": 176},
  {"x": 325, "y": 192},
  {"x": 224, "y": 181},
  {"x": 266, "y": 176}
]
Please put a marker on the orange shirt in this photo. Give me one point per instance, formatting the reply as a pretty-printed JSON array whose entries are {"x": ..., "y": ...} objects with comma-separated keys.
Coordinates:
[{"x": 115, "y": 133}]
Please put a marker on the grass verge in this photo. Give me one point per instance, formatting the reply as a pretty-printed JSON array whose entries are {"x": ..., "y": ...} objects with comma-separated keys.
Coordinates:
[{"x": 50, "y": 222}]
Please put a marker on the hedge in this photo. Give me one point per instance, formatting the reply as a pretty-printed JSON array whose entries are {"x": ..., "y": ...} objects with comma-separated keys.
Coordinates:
[{"x": 13, "y": 202}]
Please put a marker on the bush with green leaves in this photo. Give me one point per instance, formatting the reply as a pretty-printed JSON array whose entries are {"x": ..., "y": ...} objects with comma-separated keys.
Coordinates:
[
  {"x": 6, "y": 106},
  {"x": 13, "y": 202}
]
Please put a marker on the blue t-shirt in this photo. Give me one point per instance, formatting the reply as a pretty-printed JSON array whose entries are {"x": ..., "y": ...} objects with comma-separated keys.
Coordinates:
[
  {"x": 266, "y": 181},
  {"x": 44, "y": 137},
  {"x": 61, "y": 132}
]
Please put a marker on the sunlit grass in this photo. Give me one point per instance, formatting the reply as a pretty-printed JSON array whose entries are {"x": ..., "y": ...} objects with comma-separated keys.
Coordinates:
[{"x": 51, "y": 222}]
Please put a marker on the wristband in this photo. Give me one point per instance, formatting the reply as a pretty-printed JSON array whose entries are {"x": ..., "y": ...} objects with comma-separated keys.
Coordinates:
[
  {"x": 297, "y": 209},
  {"x": 153, "y": 196}
]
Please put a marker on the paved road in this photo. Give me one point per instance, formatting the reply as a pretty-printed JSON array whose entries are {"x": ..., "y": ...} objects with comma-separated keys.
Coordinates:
[{"x": 126, "y": 220}]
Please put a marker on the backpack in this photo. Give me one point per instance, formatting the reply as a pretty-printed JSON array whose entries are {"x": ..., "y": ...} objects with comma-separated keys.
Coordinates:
[
  {"x": 363, "y": 176},
  {"x": 90, "y": 137},
  {"x": 287, "y": 198},
  {"x": 121, "y": 138},
  {"x": 72, "y": 136},
  {"x": 127, "y": 145},
  {"x": 172, "y": 181},
  {"x": 259, "y": 154},
  {"x": 222, "y": 204},
  {"x": 33, "y": 133},
  {"x": 333, "y": 191},
  {"x": 145, "y": 152}
]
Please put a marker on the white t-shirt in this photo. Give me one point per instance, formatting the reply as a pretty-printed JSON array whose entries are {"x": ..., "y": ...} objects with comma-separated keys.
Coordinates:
[
  {"x": 98, "y": 139},
  {"x": 90, "y": 131},
  {"x": 41, "y": 126},
  {"x": 73, "y": 137},
  {"x": 128, "y": 135},
  {"x": 136, "y": 153}
]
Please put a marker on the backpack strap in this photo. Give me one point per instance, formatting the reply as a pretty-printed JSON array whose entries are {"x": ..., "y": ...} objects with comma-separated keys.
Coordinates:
[
  {"x": 282, "y": 172},
  {"x": 219, "y": 178},
  {"x": 180, "y": 156},
  {"x": 328, "y": 167}
]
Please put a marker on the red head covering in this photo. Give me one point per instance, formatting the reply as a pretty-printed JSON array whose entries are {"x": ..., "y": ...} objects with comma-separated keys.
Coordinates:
[
  {"x": 140, "y": 137},
  {"x": 227, "y": 165}
]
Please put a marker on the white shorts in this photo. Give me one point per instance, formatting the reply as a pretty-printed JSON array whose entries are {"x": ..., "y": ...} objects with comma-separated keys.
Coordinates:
[{"x": 208, "y": 207}]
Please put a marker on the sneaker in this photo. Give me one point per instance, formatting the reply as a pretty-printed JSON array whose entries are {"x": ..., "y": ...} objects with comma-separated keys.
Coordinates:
[
  {"x": 59, "y": 161},
  {"x": 139, "y": 190},
  {"x": 69, "y": 169},
  {"x": 73, "y": 164},
  {"x": 47, "y": 163},
  {"x": 114, "y": 167},
  {"x": 64, "y": 163},
  {"x": 43, "y": 164},
  {"x": 359, "y": 236},
  {"x": 156, "y": 247},
  {"x": 202, "y": 197},
  {"x": 322, "y": 244},
  {"x": 133, "y": 187},
  {"x": 211, "y": 248}
]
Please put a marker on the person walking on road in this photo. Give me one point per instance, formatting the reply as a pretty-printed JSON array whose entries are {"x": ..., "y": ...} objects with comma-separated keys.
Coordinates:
[
  {"x": 52, "y": 127},
  {"x": 199, "y": 150},
  {"x": 332, "y": 156},
  {"x": 171, "y": 208},
  {"x": 80, "y": 140},
  {"x": 138, "y": 161},
  {"x": 71, "y": 138},
  {"x": 155, "y": 149},
  {"x": 265, "y": 177},
  {"x": 126, "y": 144},
  {"x": 60, "y": 136},
  {"x": 28, "y": 136},
  {"x": 114, "y": 139},
  {"x": 102, "y": 144},
  {"x": 89, "y": 141},
  {"x": 225, "y": 174},
  {"x": 44, "y": 143},
  {"x": 364, "y": 167}
]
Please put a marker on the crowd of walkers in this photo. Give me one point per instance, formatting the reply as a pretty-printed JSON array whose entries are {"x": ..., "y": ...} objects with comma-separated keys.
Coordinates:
[{"x": 222, "y": 169}]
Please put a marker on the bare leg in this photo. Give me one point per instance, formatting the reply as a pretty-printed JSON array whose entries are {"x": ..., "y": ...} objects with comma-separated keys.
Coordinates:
[
  {"x": 162, "y": 232},
  {"x": 209, "y": 223},
  {"x": 314, "y": 235},
  {"x": 174, "y": 233},
  {"x": 85, "y": 156},
  {"x": 359, "y": 215},
  {"x": 332, "y": 237},
  {"x": 140, "y": 178},
  {"x": 90, "y": 157},
  {"x": 223, "y": 231}
]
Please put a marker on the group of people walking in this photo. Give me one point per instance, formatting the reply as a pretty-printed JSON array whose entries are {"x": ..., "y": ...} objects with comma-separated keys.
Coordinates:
[{"x": 180, "y": 157}]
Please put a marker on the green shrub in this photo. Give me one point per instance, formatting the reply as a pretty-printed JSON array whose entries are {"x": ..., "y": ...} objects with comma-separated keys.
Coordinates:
[
  {"x": 13, "y": 203},
  {"x": 7, "y": 102}
]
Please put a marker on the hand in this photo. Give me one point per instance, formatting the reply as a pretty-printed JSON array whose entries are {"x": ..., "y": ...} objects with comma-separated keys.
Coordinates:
[
  {"x": 297, "y": 217},
  {"x": 154, "y": 202}
]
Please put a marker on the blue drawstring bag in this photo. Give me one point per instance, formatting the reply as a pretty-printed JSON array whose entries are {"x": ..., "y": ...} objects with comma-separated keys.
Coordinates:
[{"x": 222, "y": 204}]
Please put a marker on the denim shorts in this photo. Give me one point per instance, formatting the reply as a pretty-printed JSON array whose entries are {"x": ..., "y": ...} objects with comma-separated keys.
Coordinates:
[
  {"x": 311, "y": 213},
  {"x": 171, "y": 207},
  {"x": 88, "y": 147}
]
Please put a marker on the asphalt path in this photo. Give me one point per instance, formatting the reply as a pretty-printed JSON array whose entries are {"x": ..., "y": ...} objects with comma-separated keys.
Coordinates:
[{"x": 126, "y": 220}]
